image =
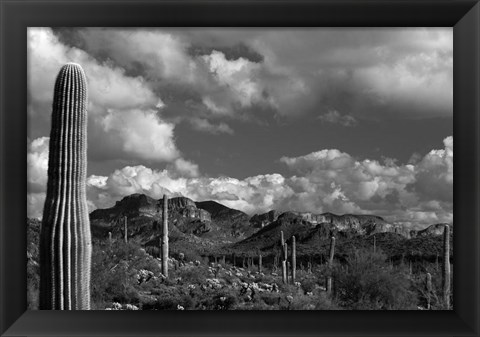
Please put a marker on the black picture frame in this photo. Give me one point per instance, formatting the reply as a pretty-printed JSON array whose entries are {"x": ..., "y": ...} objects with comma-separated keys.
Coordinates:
[{"x": 16, "y": 16}]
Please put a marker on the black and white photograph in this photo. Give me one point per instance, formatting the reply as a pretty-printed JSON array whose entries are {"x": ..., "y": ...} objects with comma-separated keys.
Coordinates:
[{"x": 240, "y": 168}]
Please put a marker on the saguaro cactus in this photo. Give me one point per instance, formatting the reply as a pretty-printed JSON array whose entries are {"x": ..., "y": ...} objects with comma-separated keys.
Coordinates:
[
  {"x": 446, "y": 266},
  {"x": 283, "y": 257},
  {"x": 165, "y": 237},
  {"x": 330, "y": 264},
  {"x": 125, "y": 229},
  {"x": 294, "y": 260},
  {"x": 259, "y": 261},
  {"x": 65, "y": 239},
  {"x": 428, "y": 289}
]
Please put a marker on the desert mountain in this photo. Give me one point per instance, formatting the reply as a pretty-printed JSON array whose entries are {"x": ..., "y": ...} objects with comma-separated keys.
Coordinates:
[
  {"x": 352, "y": 232},
  {"x": 432, "y": 230},
  {"x": 208, "y": 226},
  {"x": 208, "y": 220}
]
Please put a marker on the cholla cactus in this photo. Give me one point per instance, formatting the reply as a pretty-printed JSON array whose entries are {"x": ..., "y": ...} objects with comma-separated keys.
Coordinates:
[{"x": 65, "y": 240}]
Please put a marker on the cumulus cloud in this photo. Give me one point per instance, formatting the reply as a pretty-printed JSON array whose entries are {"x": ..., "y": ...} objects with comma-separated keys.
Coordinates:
[
  {"x": 184, "y": 168},
  {"x": 204, "y": 125},
  {"x": 123, "y": 118},
  {"x": 434, "y": 178},
  {"x": 142, "y": 135},
  {"x": 237, "y": 75},
  {"x": 371, "y": 72},
  {"x": 326, "y": 180},
  {"x": 37, "y": 164},
  {"x": 334, "y": 117}
]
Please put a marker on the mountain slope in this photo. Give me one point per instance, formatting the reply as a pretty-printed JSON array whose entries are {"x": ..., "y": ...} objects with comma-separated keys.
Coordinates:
[{"x": 233, "y": 221}]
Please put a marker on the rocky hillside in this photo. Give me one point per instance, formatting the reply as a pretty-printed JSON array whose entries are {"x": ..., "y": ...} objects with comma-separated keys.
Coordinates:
[
  {"x": 190, "y": 221},
  {"x": 351, "y": 231},
  {"x": 234, "y": 222},
  {"x": 347, "y": 223},
  {"x": 261, "y": 220},
  {"x": 433, "y": 230}
]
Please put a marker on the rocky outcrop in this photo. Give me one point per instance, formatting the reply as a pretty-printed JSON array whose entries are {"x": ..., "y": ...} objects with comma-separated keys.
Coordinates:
[
  {"x": 261, "y": 220},
  {"x": 433, "y": 230},
  {"x": 176, "y": 204},
  {"x": 355, "y": 224},
  {"x": 231, "y": 222},
  {"x": 141, "y": 205}
]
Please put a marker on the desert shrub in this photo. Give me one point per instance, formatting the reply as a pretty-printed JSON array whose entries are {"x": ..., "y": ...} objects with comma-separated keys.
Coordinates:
[
  {"x": 270, "y": 299},
  {"x": 33, "y": 284},
  {"x": 114, "y": 272},
  {"x": 436, "y": 298},
  {"x": 224, "y": 299},
  {"x": 194, "y": 275},
  {"x": 322, "y": 301},
  {"x": 308, "y": 284},
  {"x": 367, "y": 282},
  {"x": 170, "y": 299}
]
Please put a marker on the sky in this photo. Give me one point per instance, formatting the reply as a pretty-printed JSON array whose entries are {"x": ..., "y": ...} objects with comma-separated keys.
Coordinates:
[{"x": 342, "y": 120}]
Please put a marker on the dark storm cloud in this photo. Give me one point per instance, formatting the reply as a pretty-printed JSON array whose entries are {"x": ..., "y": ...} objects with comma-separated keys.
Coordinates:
[{"x": 371, "y": 73}]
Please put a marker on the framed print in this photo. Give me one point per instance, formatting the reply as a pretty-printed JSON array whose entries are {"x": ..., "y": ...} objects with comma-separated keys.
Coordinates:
[{"x": 257, "y": 168}]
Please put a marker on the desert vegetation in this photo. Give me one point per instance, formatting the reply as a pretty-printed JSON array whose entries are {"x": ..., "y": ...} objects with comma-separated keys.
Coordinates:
[{"x": 128, "y": 276}]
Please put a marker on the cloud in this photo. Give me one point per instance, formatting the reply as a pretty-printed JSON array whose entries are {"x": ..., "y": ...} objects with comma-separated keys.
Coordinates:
[
  {"x": 123, "y": 110},
  {"x": 184, "y": 168},
  {"x": 410, "y": 194},
  {"x": 434, "y": 174},
  {"x": 37, "y": 164},
  {"x": 374, "y": 73},
  {"x": 35, "y": 202},
  {"x": 142, "y": 135},
  {"x": 152, "y": 53},
  {"x": 103, "y": 191},
  {"x": 204, "y": 125},
  {"x": 323, "y": 181},
  {"x": 334, "y": 117},
  {"x": 236, "y": 75}
]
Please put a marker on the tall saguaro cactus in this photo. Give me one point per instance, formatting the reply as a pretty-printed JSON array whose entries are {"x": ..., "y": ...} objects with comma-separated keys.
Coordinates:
[
  {"x": 65, "y": 239},
  {"x": 428, "y": 289},
  {"x": 259, "y": 261},
  {"x": 330, "y": 264},
  {"x": 165, "y": 237},
  {"x": 294, "y": 260},
  {"x": 125, "y": 229},
  {"x": 284, "y": 257},
  {"x": 446, "y": 266}
]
